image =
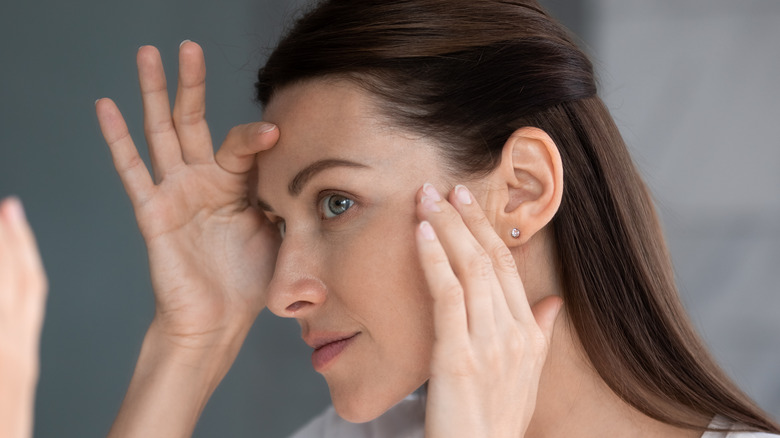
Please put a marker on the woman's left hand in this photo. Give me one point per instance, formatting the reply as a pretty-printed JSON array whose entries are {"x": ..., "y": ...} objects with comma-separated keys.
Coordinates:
[
  {"x": 490, "y": 344},
  {"x": 23, "y": 289}
]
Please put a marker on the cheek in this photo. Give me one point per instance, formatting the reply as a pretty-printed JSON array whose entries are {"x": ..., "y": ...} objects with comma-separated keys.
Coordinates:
[
  {"x": 389, "y": 294},
  {"x": 396, "y": 285}
]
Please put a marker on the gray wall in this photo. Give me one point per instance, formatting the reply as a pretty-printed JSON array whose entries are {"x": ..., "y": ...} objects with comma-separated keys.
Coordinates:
[
  {"x": 57, "y": 58},
  {"x": 694, "y": 87},
  {"x": 713, "y": 166}
]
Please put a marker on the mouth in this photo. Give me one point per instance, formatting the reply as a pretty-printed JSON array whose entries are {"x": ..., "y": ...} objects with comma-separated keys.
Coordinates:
[{"x": 327, "y": 348}]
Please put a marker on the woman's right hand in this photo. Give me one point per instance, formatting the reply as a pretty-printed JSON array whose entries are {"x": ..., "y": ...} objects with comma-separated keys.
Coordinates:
[{"x": 211, "y": 252}]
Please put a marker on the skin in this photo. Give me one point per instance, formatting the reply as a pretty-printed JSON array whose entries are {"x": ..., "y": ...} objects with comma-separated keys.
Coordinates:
[
  {"x": 358, "y": 271},
  {"x": 449, "y": 308},
  {"x": 23, "y": 288}
]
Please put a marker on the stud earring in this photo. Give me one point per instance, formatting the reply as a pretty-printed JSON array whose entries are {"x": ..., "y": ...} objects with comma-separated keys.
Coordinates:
[{"x": 515, "y": 233}]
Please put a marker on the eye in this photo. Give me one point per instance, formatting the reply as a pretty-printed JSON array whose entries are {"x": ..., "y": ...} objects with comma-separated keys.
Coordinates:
[
  {"x": 334, "y": 205},
  {"x": 282, "y": 225}
]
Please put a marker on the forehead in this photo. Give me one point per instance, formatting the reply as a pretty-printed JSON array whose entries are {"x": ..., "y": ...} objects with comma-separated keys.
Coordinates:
[{"x": 334, "y": 119}]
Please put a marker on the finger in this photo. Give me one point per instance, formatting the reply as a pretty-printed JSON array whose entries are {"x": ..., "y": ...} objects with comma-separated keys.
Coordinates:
[
  {"x": 546, "y": 311},
  {"x": 189, "y": 111},
  {"x": 243, "y": 142},
  {"x": 25, "y": 248},
  {"x": 129, "y": 165},
  {"x": 511, "y": 297},
  {"x": 7, "y": 264},
  {"x": 449, "y": 309},
  {"x": 468, "y": 259},
  {"x": 21, "y": 270},
  {"x": 161, "y": 136}
]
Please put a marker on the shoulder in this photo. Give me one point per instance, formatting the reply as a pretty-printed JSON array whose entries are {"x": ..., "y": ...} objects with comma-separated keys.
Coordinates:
[
  {"x": 404, "y": 420},
  {"x": 722, "y": 423}
]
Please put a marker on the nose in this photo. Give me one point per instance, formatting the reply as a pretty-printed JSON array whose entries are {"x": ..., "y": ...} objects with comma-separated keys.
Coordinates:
[{"x": 296, "y": 288}]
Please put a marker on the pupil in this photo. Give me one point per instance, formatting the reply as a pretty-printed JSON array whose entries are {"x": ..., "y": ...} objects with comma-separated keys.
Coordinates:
[{"x": 338, "y": 204}]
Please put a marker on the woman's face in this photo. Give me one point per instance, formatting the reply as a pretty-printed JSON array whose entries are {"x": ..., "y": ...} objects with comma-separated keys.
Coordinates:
[{"x": 341, "y": 183}]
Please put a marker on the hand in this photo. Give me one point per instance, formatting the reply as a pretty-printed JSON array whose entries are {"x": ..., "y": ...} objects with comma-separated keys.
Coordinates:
[
  {"x": 490, "y": 345},
  {"x": 211, "y": 253},
  {"x": 22, "y": 299}
]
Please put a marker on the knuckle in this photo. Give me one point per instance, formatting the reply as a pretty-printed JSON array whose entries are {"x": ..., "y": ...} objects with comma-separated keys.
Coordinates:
[
  {"x": 504, "y": 261},
  {"x": 133, "y": 162},
  {"x": 516, "y": 344},
  {"x": 188, "y": 118},
  {"x": 451, "y": 294},
  {"x": 464, "y": 363},
  {"x": 480, "y": 220},
  {"x": 493, "y": 353},
  {"x": 159, "y": 127},
  {"x": 480, "y": 265},
  {"x": 118, "y": 137}
]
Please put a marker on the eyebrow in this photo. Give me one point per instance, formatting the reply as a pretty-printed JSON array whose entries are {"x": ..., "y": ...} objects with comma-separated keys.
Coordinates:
[
  {"x": 305, "y": 175},
  {"x": 300, "y": 180}
]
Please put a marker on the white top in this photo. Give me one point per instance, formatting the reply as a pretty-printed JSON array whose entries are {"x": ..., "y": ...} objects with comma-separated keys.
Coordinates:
[
  {"x": 407, "y": 420},
  {"x": 404, "y": 420},
  {"x": 723, "y": 423}
]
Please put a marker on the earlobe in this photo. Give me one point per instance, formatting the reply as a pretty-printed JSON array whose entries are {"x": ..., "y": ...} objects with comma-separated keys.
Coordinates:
[{"x": 531, "y": 179}]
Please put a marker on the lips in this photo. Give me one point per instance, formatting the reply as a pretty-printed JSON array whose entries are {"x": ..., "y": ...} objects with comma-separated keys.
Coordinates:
[{"x": 327, "y": 347}]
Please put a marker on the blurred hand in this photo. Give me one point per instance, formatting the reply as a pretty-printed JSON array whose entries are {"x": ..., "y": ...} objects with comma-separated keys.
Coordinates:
[
  {"x": 23, "y": 289},
  {"x": 211, "y": 253},
  {"x": 490, "y": 345}
]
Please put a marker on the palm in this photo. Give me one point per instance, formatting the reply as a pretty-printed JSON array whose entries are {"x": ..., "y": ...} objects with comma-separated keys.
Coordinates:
[{"x": 211, "y": 253}]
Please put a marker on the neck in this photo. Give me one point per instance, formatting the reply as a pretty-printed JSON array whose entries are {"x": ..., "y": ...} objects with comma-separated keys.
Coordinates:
[{"x": 574, "y": 402}]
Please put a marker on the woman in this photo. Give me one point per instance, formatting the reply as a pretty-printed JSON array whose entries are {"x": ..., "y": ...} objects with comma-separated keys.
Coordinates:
[{"x": 422, "y": 157}]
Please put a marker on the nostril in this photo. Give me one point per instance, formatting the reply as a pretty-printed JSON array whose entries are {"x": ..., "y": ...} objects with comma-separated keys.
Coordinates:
[{"x": 294, "y": 307}]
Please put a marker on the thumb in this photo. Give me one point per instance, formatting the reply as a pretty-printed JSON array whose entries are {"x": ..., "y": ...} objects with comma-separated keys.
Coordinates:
[
  {"x": 546, "y": 312},
  {"x": 237, "y": 153}
]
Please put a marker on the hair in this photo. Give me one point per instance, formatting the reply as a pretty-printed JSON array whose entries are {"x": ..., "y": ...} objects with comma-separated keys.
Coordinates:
[{"x": 471, "y": 72}]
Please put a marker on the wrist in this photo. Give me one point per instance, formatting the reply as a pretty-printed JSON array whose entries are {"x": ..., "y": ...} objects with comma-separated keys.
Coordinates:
[
  {"x": 209, "y": 354},
  {"x": 173, "y": 380}
]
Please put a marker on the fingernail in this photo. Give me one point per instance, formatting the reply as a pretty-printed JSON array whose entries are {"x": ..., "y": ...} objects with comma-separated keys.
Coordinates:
[
  {"x": 431, "y": 191},
  {"x": 15, "y": 210},
  {"x": 266, "y": 127},
  {"x": 429, "y": 204},
  {"x": 182, "y": 43},
  {"x": 462, "y": 194},
  {"x": 97, "y": 100},
  {"x": 427, "y": 231}
]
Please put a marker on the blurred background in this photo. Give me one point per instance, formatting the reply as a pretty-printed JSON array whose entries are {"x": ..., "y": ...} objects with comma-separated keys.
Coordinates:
[{"x": 692, "y": 84}]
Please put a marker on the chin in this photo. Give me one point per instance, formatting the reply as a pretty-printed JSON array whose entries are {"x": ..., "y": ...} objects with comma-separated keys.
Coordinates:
[{"x": 363, "y": 406}]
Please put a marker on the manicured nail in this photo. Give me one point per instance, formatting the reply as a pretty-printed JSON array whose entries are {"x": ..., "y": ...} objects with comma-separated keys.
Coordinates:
[
  {"x": 429, "y": 204},
  {"x": 431, "y": 191},
  {"x": 462, "y": 194},
  {"x": 427, "y": 231},
  {"x": 15, "y": 210},
  {"x": 266, "y": 127},
  {"x": 182, "y": 43}
]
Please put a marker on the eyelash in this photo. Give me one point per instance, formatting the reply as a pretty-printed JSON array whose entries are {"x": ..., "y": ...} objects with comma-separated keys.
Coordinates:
[{"x": 321, "y": 207}]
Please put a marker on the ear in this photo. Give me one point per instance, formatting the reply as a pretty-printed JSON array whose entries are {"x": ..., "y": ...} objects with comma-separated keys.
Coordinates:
[{"x": 529, "y": 183}]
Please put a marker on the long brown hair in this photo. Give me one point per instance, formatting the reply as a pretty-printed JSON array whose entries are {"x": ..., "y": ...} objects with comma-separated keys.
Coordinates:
[{"x": 471, "y": 72}]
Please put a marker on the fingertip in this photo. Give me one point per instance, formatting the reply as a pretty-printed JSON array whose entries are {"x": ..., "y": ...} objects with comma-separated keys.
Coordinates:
[
  {"x": 15, "y": 210},
  {"x": 426, "y": 231},
  {"x": 462, "y": 195},
  {"x": 546, "y": 312},
  {"x": 147, "y": 54},
  {"x": 266, "y": 127},
  {"x": 189, "y": 48},
  {"x": 102, "y": 104}
]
